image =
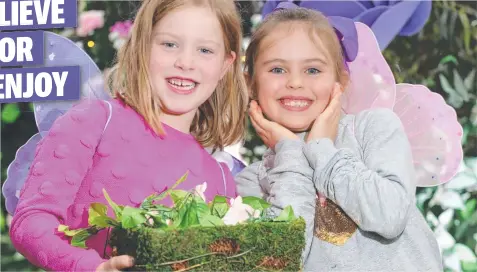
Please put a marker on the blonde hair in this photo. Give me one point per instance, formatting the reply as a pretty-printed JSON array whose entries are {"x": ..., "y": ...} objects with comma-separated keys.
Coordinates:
[
  {"x": 220, "y": 121},
  {"x": 317, "y": 25}
]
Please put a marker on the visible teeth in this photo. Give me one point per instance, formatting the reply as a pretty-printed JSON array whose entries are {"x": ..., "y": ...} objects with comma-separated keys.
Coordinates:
[
  {"x": 296, "y": 103},
  {"x": 182, "y": 84}
]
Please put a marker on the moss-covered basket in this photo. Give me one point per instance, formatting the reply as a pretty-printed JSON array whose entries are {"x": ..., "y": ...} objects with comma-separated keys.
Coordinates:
[{"x": 259, "y": 246}]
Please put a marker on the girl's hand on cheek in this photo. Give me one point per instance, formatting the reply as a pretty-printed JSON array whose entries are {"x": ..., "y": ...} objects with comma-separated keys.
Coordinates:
[
  {"x": 270, "y": 132},
  {"x": 326, "y": 125}
]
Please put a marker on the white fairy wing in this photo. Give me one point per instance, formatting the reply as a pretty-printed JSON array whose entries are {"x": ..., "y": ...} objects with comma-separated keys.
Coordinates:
[
  {"x": 371, "y": 82},
  {"x": 59, "y": 51},
  {"x": 433, "y": 131}
]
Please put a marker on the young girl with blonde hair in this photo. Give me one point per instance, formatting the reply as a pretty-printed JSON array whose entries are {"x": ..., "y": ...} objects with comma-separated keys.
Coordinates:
[
  {"x": 360, "y": 165},
  {"x": 180, "y": 90}
]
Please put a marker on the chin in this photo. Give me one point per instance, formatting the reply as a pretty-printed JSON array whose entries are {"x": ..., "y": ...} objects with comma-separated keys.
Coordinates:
[{"x": 296, "y": 127}]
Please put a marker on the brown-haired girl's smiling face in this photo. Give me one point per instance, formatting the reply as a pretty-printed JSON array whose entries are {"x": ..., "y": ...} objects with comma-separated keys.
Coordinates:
[{"x": 294, "y": 76}]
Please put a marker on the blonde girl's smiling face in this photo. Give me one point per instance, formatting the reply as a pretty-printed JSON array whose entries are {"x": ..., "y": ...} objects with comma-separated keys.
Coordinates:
[
  {"x": 294, "y": 76},
  {"x": 187, "y": 59}
]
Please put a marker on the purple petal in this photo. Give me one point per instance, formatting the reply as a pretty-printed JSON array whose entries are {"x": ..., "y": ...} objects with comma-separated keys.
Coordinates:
[
  {"x": 17, "y": 172},
  {"x": 269, "y": 6},
  {"x": 390, "y": 23},
  {"x": 418, "y": 19},
  {"x": 348, "y": 9},
  {"x": 369, "y": 17}
]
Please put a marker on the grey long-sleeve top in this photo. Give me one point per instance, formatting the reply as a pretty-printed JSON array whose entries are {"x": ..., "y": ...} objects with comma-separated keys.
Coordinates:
[{"x": 370, "y": 221}]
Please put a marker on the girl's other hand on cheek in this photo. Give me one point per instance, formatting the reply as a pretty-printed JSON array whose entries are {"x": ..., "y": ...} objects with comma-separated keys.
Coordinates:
[
  {"x": 326, "y": 125},
  {"x": 270, "y": 132}
]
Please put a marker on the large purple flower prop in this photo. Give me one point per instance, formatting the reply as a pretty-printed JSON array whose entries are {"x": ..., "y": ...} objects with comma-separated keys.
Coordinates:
[{"x": 387, "y": 19}]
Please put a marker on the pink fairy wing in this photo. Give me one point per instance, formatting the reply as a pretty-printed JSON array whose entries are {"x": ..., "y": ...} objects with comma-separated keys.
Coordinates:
[
  {"x": 433, "y": 131},
  {"x": 372, "y": 82}
]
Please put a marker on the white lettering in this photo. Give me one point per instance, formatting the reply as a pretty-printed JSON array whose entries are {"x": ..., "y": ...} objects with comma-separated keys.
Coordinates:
[
  {"x": 25, "y": 11},
  {"x": 13, "y": 85},
  {"x": 60, "y": 82},
  {"x": 27, "y": 85},
  {"x": 7, "y": 49},
  {"x": 22, "y": 50},
  {"x": 56, "y": 11},
  {"x": 40, "y": 91},
  {"x": 3, "y": 19},
  {"x": 24, "y": 47},
  {"x": 28, "y": 12},
  {"x": 42, "y": 15}
]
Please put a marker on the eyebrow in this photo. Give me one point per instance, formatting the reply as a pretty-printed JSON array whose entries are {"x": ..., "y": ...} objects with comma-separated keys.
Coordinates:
[
  {"x": 177, "y": 37},
  {"x": 306, "y": 61}
]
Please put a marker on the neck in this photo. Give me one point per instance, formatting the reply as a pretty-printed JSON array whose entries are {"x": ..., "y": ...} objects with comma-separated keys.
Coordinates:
[{"x": 181, "y": 122}]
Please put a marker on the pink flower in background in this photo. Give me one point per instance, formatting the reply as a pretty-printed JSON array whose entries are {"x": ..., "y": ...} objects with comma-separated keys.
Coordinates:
[
  {"x": 119, "y": 32},
  {"x": 121, "y": 28},
  {"x": 89, "y": 21}
]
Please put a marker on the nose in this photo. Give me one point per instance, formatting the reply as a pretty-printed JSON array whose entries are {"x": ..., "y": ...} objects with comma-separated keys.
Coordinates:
[
  {"x": 294, "y": 81},
  {"x": 185, "y": 61}
]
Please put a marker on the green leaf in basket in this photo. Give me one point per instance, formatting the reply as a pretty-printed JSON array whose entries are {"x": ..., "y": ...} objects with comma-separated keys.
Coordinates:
[
  {"x": 98, "y": 216},
  {"x": 256, "y": 203},
  {"x": 132, "y": 217},
  {"x": 286, "y": 215},
  {"x": 66, "y": 230},
  {"x": 79, "y": 239},
  {"x": 179, "y": 196},
  {"x": 116, "y": 208},
  {"x": 209, "y": 220},
  {"x": 219, "y": 206},
  {"x": 148, "y": 202},
  {"x": 188, "y": 216}
]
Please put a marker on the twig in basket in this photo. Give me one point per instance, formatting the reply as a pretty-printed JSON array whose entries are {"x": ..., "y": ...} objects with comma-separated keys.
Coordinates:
[{"x": 191, "y": 258}]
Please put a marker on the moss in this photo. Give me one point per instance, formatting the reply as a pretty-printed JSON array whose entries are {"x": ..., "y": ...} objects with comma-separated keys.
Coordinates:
[{"x": 261, "y": 246}]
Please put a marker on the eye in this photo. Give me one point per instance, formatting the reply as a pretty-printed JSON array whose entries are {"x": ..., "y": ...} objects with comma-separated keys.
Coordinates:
[
  {"x": 169, "y": 44},
  {"x": 206, "y": 51},
  {"x": 277, "y": 71},
  {"x": 313, "y": 71}
]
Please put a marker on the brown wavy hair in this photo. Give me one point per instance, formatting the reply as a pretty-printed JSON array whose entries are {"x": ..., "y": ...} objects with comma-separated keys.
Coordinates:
[{"x": 220, "y": 121}]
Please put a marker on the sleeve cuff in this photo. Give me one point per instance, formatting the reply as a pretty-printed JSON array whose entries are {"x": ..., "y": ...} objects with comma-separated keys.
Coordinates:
[{"x": 319, "y": 153}]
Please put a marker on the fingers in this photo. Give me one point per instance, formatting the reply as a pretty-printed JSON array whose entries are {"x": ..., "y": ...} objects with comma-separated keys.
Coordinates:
[
  {"x": 257, "y": 116},
  {"x": 121, "y": 262},
  {"x": 334, "y": 107}
]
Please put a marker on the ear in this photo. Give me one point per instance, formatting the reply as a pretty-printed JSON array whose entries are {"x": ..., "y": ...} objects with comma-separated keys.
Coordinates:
[{"x": 228, "y": 61}]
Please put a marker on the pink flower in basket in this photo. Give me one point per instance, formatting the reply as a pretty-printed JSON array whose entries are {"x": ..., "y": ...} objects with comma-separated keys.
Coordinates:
[{"x": 89, "y": 21}]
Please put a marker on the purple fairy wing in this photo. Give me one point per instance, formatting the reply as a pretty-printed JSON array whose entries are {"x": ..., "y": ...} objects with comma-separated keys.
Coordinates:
[
  {"x": 59, "y": 51},
  {"x": 17, "y": 172}
]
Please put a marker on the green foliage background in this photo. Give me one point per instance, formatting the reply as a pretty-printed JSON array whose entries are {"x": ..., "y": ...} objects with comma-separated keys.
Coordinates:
[{"x": 443, "y": 56}]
